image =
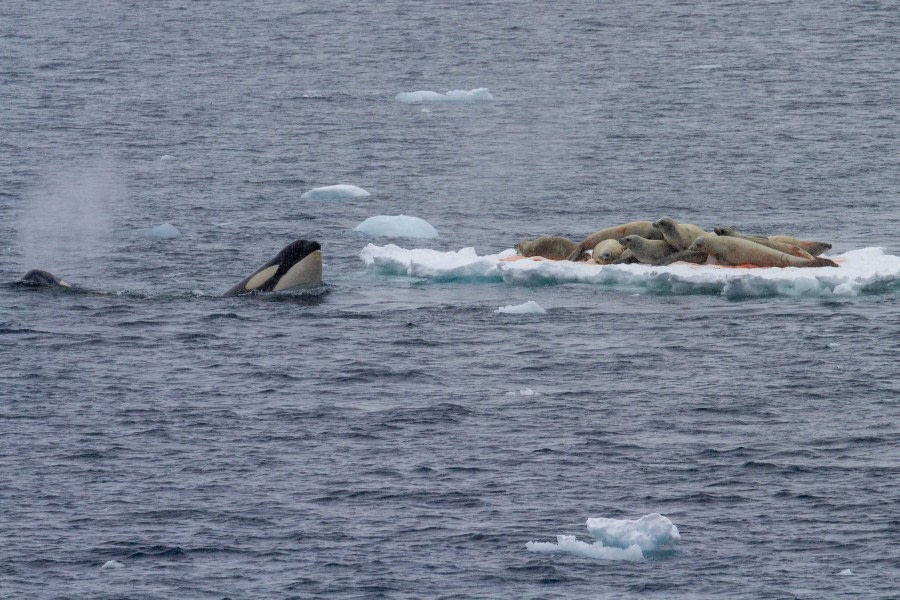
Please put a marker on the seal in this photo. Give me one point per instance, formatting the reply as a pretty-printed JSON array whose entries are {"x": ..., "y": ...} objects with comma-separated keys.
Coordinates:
[
  {"x": 679, "y": 235},
  {"x": 648, "y": 252},
  {"x": 642, "y": 228},
  {"x": 39, "y": 278},
  {"x": 553, "y": 247},
  {"x": 734, "y": 251},
  {"x": 780, "y": 246},
  {"x": 299, "y": 264},
  {"x": 814, "y": 248},
  {"x": 607, "y": 251}
]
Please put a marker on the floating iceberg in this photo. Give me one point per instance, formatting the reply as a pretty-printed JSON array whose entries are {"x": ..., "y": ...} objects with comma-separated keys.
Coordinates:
[
  {"x": 397, "y": 226},
  {"x": 335, "y": 192},
  {"x": 617, "y": 539},
  {"x": 529, "y": 308},
  {"x": 476, "y": 95},
  {"x": 112, "y": 564},
  {"x": 160, "y": 232},
  {"x": 861, "y": 271},
  {"x": 651, "y": 533}
]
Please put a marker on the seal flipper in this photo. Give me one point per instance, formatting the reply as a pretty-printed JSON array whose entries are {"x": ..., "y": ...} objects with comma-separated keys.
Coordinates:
[
  {"x": 627, "y": 258},
  {"x": 577, "y": 255},
  {"x": 822, "y": 262},
  {"x": 689, "y": 256}
]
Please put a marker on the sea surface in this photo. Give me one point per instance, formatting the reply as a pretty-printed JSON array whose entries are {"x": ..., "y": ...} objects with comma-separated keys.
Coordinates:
[{"x": 397, "y": 437}]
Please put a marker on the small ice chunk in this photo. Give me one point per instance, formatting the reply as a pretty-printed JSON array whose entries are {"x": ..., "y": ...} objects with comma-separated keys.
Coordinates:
[
  {"x": 706, "y": 67},
  {"x": 335, "y": 192},
  {"x": 166, "y": 157},
  {"x": 112, "y": 564},
  {"x": 651, "y": 532},
  {"x": 616, "y": 539},
  {"x": 476, "y": 95},
  {"x": 528, "y": 308},
  {"x": 397, "y": 226},
  {"x": 846, "y": 572},
  {"x": 161, "y": 232}
]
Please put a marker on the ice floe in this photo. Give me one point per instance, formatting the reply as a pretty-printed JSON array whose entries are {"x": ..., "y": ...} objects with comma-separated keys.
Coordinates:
[
  {"x": 476, "y": 95},
  {"x": 867, "y": 270},
  {"x": 335, "y": 192},
  {"x": 397, "y": 226},
  {"x": 112, "y": 564},
  {"x": 617, "y": 539},
  {"x": 528, "y": 308}
]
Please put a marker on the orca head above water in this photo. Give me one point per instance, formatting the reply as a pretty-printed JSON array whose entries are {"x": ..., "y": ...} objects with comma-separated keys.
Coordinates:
[{"x": 299, "y": 264}]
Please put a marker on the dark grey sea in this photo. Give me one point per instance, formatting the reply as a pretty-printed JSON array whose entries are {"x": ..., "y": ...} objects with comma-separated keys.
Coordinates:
[{"x": 397, "y": 437}]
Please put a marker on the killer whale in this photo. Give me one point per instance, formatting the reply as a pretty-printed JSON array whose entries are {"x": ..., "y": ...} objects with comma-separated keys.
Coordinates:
[
  {"x": 297, "y": 265},
  {"x": 39, "y": 278}
]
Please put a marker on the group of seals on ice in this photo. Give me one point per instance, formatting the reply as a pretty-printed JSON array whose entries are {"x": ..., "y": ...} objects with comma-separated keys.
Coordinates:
[
  {"x": 666, "y": 241},
  {"x": 296, "y": 266}
]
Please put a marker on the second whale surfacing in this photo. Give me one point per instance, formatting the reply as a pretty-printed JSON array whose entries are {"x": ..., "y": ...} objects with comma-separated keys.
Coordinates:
[
  {"x": 39, "y": 278},
  {"x": 298, "y": 265}
]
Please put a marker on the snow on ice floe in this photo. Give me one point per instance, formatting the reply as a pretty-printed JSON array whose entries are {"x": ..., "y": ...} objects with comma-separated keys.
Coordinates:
[
  {"x": 861, "y": 271},
  {"x": 397, "y": 226},
  {"x": 476, "y": 95},
  {"x": 617, "y": 539},
  {"x": 161, "y": 232},
  {"x": 335, "y": 192},
  {"x": 528, "y": 308}
]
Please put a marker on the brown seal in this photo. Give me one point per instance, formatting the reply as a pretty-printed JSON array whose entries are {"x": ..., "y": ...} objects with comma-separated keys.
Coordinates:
[
  {"x": 736, "y": 251},
  {"x": 642, "y": 228},
  {"x": 553, "y": 247},
  {"x": 814, "y": 248},
  {"x": 607, "y": 251},
  {"x": 780, "y": 246},
  {"x": 679, "y": 235},
  {"x": 648, "y": 252}
]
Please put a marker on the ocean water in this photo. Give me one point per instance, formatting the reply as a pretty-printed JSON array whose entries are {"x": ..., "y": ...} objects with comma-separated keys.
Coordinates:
[{"x": 400, "y": 436}]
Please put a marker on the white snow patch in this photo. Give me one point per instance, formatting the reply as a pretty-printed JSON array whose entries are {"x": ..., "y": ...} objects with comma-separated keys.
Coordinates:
[
  {"x": 867, "y": 269},
  {"x": 528, "y": 308},
  {"x": 617, "y": 539},
  {"x": 112, "y": 564},
  {"x": 335, "y": 192},
  {"x": 476, "y": 95},
  {"x": 397, "y": 226}
]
